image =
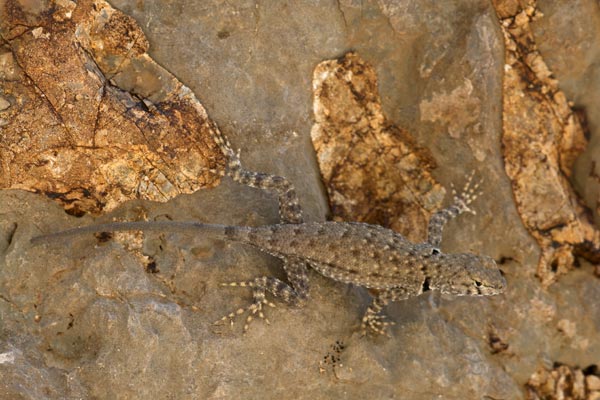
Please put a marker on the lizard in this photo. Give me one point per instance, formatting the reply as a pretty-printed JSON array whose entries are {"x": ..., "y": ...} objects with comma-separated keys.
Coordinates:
[{"x": 362, "y": 254}]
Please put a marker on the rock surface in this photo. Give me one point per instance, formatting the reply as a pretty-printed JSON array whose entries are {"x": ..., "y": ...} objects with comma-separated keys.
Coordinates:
[
  {"x": 539, "y": 147},
  {"x": 93, "y": 319},
  {"x": 91, "y": 120},
  {"x": 374, "y": 172}
]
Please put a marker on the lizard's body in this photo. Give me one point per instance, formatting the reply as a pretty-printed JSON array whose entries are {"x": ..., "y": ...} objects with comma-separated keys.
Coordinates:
[
  {"x": 361, "y": 254},
  {"x": 350, "y": 252}
]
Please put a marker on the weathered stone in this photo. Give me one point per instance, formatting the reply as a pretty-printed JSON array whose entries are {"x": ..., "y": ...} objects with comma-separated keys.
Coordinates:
[
  {"x": 133, "y": 317},
  {"x": 81, "y": 131},
  {"x": 592, "y": 382},
  {"x": 562, "y": 382},
  {"x": 539, "y": 149},
  {"x": 374, "y": 172}
]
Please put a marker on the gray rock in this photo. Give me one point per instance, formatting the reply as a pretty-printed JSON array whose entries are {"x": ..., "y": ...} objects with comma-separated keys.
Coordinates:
[{"x": 86, "y": 320}]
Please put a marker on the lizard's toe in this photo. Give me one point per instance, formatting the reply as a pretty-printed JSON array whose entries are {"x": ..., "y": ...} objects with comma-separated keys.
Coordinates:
[
  {"x": 254, "y": 310},
  {"x": 260, "y": 286},
  {"x": 376, "y": 324}
]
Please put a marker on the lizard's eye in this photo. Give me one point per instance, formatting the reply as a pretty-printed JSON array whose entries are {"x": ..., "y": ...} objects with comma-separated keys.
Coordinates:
[
  {"x": 478, "y": 284},
  {"x": 435, "y": 251}
]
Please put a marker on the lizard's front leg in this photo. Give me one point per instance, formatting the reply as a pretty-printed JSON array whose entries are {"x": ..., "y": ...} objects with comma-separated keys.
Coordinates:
[
  {"x": 459, "y": 205},
  {"x": 374, "y": 320},
  {"x": 293, "y": 294}
]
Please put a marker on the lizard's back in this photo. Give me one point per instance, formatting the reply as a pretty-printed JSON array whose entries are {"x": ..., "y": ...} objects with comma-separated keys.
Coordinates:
[{"x": 368, "y": 255}]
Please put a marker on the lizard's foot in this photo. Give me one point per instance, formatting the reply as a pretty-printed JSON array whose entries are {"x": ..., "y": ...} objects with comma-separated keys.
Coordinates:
[
  {"x": 254, "y": 310},
  {"x": 233, "y": 164},
  {"x": 213, "y": 171},
  {"x": 375, "y": 323},
  {"x": 259, "y": 288},
  {"x": 467, "y": 195}
]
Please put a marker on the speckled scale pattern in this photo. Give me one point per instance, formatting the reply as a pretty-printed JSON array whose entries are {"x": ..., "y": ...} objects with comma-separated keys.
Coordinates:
[{"x": 358, "y": 253}]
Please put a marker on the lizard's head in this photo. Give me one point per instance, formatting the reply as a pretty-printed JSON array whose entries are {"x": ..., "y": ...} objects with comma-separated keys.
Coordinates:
[{"x": 469, "y": 275}]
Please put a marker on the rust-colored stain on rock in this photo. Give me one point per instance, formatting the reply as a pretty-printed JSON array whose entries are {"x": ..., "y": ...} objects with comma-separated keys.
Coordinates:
[
  {"x": 542, "y": 137},
  {"x": 564, "y": 382},
  {"x": 374, "y": 171},
  {"x": 87, "y": 117}
]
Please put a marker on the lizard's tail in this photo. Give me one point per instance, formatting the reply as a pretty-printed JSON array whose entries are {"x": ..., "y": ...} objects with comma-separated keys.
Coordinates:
[{"x": 214, "y": 230}]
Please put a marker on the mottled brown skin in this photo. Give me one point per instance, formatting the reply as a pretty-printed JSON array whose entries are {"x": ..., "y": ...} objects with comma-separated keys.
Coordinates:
[{"x": 365, "y": 255}]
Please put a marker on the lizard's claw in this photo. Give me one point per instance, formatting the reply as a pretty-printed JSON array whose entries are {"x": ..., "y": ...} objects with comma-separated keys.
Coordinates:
[
  {"x": 375, "y": 323},
  {"x": 254, "y": 310},
  {"x": 233, "y": 163},
  {"x": 213, "y": 171}
]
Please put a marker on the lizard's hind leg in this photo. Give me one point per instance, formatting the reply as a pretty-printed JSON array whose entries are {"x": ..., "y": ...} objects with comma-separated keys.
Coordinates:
[
  {"x": 293, "y": 294},
  {"x": 290, "y": 210}
]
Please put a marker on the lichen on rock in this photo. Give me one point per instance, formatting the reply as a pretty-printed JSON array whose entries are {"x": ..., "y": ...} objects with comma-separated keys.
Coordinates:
[
  {"x": 374, "y": 171},
  {"x": 564, "y": 382},
  {"x": 89, "y": 119}
]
